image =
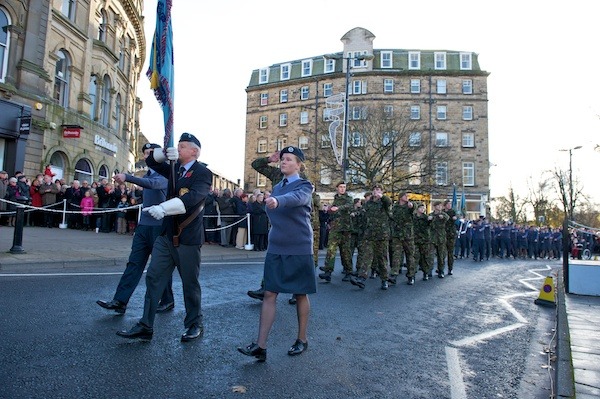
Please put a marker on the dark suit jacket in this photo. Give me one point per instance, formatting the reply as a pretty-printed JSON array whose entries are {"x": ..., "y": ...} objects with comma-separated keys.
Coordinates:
[{"x": 192, "y": 189}]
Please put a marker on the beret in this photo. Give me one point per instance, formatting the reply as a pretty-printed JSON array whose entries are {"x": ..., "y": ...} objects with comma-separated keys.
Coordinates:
[
  {"x": 191, "y": 138},
  {"x": 292, "y": 150},
  {"x": 149, "y": 146}
]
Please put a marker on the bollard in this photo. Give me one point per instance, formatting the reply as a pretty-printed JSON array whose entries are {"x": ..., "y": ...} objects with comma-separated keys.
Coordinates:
[
  {"x": 249, "y": 246},
  {"x": 63, "y": 225},
  {"x": 17, "y": 247}
]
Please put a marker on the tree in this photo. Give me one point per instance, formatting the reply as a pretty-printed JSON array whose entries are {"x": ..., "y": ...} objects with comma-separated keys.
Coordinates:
[
  {"x": 568, "y": 189},
  {"x": 538, "y": 198},
  {"x": 510, "y": 207}
]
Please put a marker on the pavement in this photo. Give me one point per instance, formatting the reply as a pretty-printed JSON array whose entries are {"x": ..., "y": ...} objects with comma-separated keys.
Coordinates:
[{"x": 577, "y": 365}]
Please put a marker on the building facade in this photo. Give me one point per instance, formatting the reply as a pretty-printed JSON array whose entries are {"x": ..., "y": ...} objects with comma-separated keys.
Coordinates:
[
  {"x": 439, "y": 97},
  {"x": 69, "y": 72}
]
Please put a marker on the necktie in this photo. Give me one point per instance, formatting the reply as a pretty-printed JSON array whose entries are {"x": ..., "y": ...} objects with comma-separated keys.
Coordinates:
[
  {"x": 181, "y": 172},
  {"x": 285, "y": 181}
]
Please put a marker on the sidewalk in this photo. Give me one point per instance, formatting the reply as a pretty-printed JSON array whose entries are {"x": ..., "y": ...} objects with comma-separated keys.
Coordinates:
[{"x": 66, "y": 248}]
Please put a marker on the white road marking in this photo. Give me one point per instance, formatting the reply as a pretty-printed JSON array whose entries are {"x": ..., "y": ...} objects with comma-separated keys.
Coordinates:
[{"x": 457, "y": 385}]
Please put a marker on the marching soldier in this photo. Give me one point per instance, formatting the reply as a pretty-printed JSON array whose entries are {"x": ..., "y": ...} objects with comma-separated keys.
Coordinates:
[
  {"x": 402, "y": 239},
  {"x": 422, "y": 230},
  {"x": 450, "y": 233},
  {"x": 438, "y": 236}
]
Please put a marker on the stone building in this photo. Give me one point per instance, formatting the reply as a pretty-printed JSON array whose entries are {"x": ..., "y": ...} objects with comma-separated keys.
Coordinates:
[
  {"x": 69, "y": 73},
  {"x": 441, "y": 93}
]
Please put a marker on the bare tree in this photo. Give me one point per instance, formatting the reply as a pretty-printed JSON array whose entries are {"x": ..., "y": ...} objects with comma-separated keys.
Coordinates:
[
  {"x": 537, "y": 197},
  {"x": 568, "y": 189},
  {"x": 511, "y": 207}
]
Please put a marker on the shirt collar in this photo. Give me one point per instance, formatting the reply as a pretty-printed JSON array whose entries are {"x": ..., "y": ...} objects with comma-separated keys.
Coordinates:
[
  {"x": 188, "y": 165},
  {"x": 292, "y": 178}
]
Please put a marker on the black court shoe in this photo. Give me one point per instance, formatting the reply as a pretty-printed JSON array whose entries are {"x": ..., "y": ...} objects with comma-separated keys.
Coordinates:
[
  {"x": 298, "y": 348},
  {"x": 254, "y": 350}
]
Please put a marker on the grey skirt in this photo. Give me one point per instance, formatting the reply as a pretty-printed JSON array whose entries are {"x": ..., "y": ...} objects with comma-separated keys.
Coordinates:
[{"x": 292, "y": 274}]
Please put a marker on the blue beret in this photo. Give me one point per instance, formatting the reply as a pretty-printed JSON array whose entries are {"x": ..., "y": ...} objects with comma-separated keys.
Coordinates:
[
  {"x": 149, "y": 146},
  {"x": 294, "y": 151},
  {"x": 191, "y": 138}
]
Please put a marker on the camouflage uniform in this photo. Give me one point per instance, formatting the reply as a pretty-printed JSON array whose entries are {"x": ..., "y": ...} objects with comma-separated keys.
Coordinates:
[
  {"x": 422, "y": 230},
  {"x": 376, "y": 238},
  {"x": 273, "y": 173},
  {"x": 314, "y": 219},
  {"x": 450, "y": 237},
  {"x": 438, "y": 237},
  {"x": 340, "y": 233},
  {"x": 403, "y": 244}
]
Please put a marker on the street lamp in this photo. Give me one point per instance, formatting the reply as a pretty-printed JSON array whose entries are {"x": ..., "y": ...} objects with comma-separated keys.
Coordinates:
[
  {"x": 571, "y": 193},
  {"x": 359, "y": 57}
]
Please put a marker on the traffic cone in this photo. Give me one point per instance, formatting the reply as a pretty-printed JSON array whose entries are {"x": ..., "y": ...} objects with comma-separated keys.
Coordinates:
[{"x": 546, "y": 297}]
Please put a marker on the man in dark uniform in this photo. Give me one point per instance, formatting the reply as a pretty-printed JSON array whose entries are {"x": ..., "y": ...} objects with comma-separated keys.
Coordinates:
[
  {"x": 181, "y": 237},
  {"x": 422, "y": 229},
  {"x": 146, "y": 232},
  {"x": 403, "y": 244},
  {"x": 450, "y": 234},
  {"x": 438, "y": 235}
]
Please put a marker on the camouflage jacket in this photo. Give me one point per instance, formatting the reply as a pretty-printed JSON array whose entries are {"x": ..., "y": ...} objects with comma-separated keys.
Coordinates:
[
  {"x": 402, "y": 221},
  {"x": 314, "y": 212},
  {"x": 451, "y": 223},
  {"x": 422, "y": 228},
  {"x": 273, "y": 173},
  {"x": 340, "y": 220},
  {"x": 438, "y": 227},
  {"x": 378, "y": 218}
]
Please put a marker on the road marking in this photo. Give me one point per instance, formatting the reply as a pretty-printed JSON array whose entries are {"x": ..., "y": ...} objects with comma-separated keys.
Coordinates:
[{"x": 457, "y": 385}]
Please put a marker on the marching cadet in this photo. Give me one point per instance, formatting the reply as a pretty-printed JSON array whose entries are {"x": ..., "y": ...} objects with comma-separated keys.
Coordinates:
[
  {"x": 450, "y": 234},
  {"x": 376, "y": 239},
  {"x": 438, "y": 236},
  {"x": 422, "y": 239},
  {"x": 355, "y": 223},
  {"x": 403, "y": 244},
  {"x": 340, "y": 233}
]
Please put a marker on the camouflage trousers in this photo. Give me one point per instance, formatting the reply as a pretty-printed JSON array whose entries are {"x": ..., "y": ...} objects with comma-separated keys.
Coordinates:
[
  {"x": 423, "y": 256},
  {"x": 341, "y": 240},
  {"x": 373, "y": 254},
  {"x": 439, "y": 249},
  {"x": 316, "y": 240},
  {"x": 450, "y": 242},
  {"x": 402, "y": 248}
]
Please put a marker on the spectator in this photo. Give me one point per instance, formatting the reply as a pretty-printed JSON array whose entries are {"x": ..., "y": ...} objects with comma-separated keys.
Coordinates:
[
  {"x": 226, "y": 211},
  {"x": 241, "y": 238},
  {"x": 3, "y": 185},
  {"x": 14, "y": 193},
  {"x": 48, "y": 191},
  {"x": 210, "y": 217},
  {"x": 121, "y": 221},
  {"x": 259, "y": 223},
  {"x": 87, "y": 206},
  {"x": 36, "y": 217},
  {"x": 132, "y": 215},
  {"x": 73, "y": 195}
]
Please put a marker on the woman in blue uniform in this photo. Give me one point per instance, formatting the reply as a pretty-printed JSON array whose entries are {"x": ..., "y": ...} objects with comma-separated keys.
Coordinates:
[{"x": 289, "y": 266}]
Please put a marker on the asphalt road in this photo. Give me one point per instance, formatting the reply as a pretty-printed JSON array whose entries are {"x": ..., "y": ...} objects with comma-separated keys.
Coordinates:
[{"x": 476, "y": 334}]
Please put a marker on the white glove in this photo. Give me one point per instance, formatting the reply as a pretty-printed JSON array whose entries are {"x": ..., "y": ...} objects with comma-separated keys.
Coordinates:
[
  {"x": 172, "y": 154},
  {"x": 174, "y": 206},
  {"x": 159, "y": 155}
]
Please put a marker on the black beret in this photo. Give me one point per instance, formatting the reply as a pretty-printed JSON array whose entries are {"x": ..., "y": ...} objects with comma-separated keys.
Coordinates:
[
  {"x": 294, "y": 151},
  {"x": 150, "y": 146},
  {"x": 191, "y": 138}
]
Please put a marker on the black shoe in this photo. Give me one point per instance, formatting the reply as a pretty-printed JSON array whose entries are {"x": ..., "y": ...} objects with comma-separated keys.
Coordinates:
[
  {"x": 441, "y": 274},
  {"x": 358, "y": 281},
  {"x": 162, "y": 308},
  {"x": 298, "y": 348},
  {"x": 425, "y": 276},
  {"x": 430, "y": 274},
  {"x": 115, "y": 305},
  {"x": 450, "y": 272},
  {"x": 258, "y": 294},
  {"x": 292, "y": 300},
  {"x": 322, "y": 268},
  {"x": 192, "y": 333},
  {"x": 392, "y": 279},
  {"x": 140, "y": 331},
  {"x": 254, "y": 350},
  {"x": 325, "y": 276},
  {"x": 411, "y": 281},
  {"x": 384, "y": 285},
  {"x": 346, "y": 277},
  {"x": 373, "y": 273}
]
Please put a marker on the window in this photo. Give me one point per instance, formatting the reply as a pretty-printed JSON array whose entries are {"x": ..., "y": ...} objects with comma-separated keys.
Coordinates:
[
  {"x": 327, "y": 115},
  {"x": 329, "y": 65},
  {"x": 304, "y": 117},
  {"x": 414, "y": 173},
  {"x": 415, "y": 112},
  {"x": 359, "y": 113},
  {"x": 4, "y": 44},
  {"x": 103, "y": 172},
  {"x": 262, "y": 122},
  {"x": 468, "y": 140},
  {"x": 414, "y": 139},
  {"x": 388, "y": 111},
  {"x": 306, "y": 68},
  {"x": 303, "y": 142},
  {"x": 93, "y": 97},
  {"x": 441, "y": 86},
  {"x": 468, "y": 173},
  {"x": 83, "y": 170},
  {"x": 386, "y": 59},
  {"x": 388, "y": 85},
  {"x": 356, "y": 61},
  {"x": 441, "y": 112},
  {"x": 285, "y": 72},
  {"x": 386, "y": 139},
  {"x": 68, "y": 9},
  {"x": 441, "y": 173},
  {"x": 440, "y": 60},
  {"x": 121, "y": 56},
  {"x": 102, "y": 27},
  {"x": 61, "y": 79},
  {"x": 414, "y": 60},
  {"x": 325, "y": 141},
  {"x": 261, "y": 180},
  {"x": 441, "y": 139},
  {"x": 105, "y": 102},
  {"x": 263, "y": 75},
  {"x": 359, "y": 87},
  {"x": 262, "y": 146},
  {"x": 327, "y": 89},
  {"x": 325, "y": 175},
  {"x": 118, "y": 126},
  {"x": 467, "y": 86},
  {"x": 283, "y": 118},
  {"x": 281, "y": 143},
  {"x": 467, "y": 113},
  {"x": 415, "y": 86},
  {"x": 283, "y": 96},
  {"x": 304, "y": 93},
  {"x": 264, "y": 99},
  {"x": 356, "y": 139},
  {"x": 466, "y": 61}
]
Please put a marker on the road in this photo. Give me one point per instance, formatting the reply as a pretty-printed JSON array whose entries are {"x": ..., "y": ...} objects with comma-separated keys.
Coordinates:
[{"x": 476, "y": 334}]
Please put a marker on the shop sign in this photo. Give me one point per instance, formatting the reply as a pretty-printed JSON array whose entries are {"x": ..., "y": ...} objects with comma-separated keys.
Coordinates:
[
  {"x": 71, "y": 131},
  {"x": 102, "y": 143}
]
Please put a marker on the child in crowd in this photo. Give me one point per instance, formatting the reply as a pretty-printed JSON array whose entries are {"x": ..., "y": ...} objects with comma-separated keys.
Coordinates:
[
  {"x": 121, "y": 221},
  {"x": 132, "y": 216},
  {"x": 87, "y": 205}
]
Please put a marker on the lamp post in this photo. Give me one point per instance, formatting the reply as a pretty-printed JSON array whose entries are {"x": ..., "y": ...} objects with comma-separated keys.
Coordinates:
[
  {"x": 571, "y": 193},
  {"x": 360, "y": 57}
]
